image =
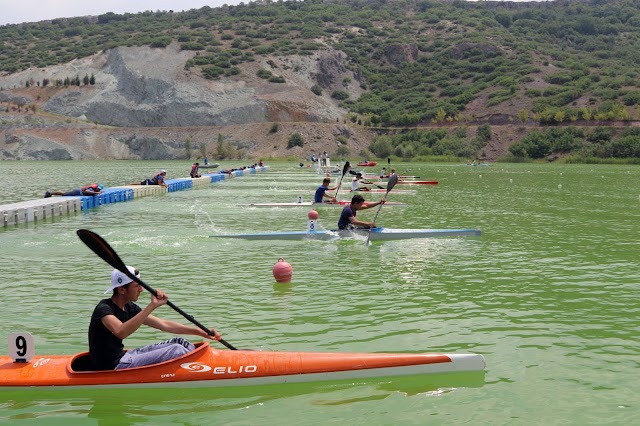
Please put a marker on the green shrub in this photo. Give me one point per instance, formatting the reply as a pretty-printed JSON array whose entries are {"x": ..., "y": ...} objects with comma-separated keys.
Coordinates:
[
  {"x": 212, "y": 72},
  {"x": 262, "y": 73},
  {"x": 340, "y": 95},
  {"x": 343, "y": 151},
  {"x": 295, "y": 139},
  {"x": 316, "y": 89}
]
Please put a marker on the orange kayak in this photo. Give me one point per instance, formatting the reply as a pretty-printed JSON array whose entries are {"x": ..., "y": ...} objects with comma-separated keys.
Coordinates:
[{"x": 207, "y": 366}]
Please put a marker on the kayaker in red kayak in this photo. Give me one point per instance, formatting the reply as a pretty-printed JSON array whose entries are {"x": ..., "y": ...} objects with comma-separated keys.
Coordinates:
[
  {"x": 117, "y": 318},
  {"x": 357, "y": 179},
  {"x": 348, "y": 216}
]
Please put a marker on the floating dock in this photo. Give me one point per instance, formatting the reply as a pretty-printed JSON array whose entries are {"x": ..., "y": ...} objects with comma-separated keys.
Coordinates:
[{"x": 45, "y": 208}]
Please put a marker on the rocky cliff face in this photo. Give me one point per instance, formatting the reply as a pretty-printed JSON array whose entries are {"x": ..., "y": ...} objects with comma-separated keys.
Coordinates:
[
  {"x": 140, "y": 88},
  {"x": 169, "y": 143}
]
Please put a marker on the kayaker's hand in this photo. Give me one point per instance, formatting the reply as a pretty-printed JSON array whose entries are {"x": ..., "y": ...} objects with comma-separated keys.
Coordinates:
[
  {"x": 160, "y": 299},
  {"x": 382, "y": 202},
  {"x": 372, "y": 225},
  {"x": 216, "y": 335}
]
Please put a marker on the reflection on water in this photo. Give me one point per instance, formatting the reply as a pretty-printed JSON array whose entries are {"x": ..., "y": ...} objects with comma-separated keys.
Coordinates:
[{"x": 127, "y": 406}]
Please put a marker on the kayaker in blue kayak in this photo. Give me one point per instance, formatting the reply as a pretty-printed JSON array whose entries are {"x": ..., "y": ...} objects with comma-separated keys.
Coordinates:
[
  {"x": 116, "y": 318},
  {"x": 348, "y": 216},
  {"x": 321, "y": 193}
]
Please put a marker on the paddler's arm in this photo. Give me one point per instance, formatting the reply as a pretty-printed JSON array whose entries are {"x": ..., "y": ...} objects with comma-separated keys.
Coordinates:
[
  {"x": 368, "y": 206},
  {"x": 174, "y": 327},
  {"x": 122, "y": 330}
]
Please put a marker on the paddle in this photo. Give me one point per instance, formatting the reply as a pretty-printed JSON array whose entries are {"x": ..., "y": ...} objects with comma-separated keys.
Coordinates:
[
  {"x": 100, "y": 247},
  {"x": 345, "y": 169},
  {"x": 368, "y": 182},
  {"x": 393, "y": 179}
]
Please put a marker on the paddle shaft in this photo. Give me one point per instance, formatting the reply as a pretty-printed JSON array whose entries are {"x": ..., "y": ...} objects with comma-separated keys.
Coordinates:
[
  {"x": 368, "y": 182},
  {"x": 100, "y": 247},
  {"x": 392, "y": 182}
]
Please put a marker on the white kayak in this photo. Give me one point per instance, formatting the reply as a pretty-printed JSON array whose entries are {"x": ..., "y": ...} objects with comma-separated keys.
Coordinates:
[
  {"x": 379, "y": 233},
  {"x": 312, "y": 204}
]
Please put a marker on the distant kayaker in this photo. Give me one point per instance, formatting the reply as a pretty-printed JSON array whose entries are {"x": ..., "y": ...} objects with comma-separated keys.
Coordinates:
[
  {"x": 93, "y": 189},
  {"x": 157, "y": 179},
  {"x": 194, "y": 170},
  {"x": 117, "y": 318},
  {"x": 355, "y": 183},
  {"x": 383, "y": 173},
  {"x": 348, "y": 216},
  {"x": 206, "y": 161},
  {"x": 321, "y": 193}
]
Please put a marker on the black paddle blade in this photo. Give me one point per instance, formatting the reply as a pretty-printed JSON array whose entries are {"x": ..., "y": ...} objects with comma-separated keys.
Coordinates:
[
  {"x": 393, "y": 179},
  {"x": 100, "y": 247},
  {"x": 346, "y": 168}
]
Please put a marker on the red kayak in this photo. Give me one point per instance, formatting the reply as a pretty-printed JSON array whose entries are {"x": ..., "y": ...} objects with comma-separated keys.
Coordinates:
[
  {"x": 417, "y": 182},
  {"x": 367, "y": 164}
]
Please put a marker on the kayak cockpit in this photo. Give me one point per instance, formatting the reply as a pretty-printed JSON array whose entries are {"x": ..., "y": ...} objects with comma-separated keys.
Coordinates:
[{"x": 81, "y": 363}]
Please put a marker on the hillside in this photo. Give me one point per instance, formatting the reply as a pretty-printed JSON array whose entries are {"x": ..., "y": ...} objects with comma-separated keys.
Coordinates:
[{"x": 341, "y": 72}]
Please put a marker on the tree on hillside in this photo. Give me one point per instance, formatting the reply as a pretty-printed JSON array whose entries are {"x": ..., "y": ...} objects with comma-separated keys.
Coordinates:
[
  {"x": 295, "y": 139},
  {"x": 187, "y": 147},
  {"x": 220, "y": 147}
]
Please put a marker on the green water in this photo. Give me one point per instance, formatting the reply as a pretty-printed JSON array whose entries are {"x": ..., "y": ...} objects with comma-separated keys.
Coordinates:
[{"x": 548, "y": 294}]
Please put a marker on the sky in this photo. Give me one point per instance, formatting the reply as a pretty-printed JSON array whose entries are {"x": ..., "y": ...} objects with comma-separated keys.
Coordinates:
[{"x": 18, "y": 11}]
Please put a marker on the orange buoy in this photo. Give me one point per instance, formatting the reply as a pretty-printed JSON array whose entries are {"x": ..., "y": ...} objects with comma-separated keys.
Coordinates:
[
  {"x": 282, "y": 271},
  {"x": 313, "y": 215}
]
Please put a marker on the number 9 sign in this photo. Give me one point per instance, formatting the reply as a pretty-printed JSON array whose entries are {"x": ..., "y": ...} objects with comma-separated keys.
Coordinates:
[{"x": 21, "y": 347}]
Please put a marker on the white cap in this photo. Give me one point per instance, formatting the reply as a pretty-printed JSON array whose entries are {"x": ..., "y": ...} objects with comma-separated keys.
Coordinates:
[
  {"x": 163, "y": 171},
  {"x": 118, "y": 279}
]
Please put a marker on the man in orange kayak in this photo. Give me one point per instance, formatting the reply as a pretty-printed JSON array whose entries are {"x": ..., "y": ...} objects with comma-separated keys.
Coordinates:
[
  {"x": 117, "y": 318},
  {"x": 348, "y": 216}
]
